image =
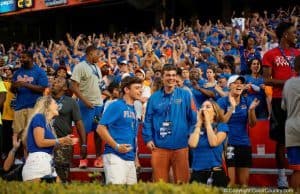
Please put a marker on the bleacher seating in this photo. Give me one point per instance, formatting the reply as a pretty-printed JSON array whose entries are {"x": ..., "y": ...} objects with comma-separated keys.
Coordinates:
[{"x": 262, "y": 173}]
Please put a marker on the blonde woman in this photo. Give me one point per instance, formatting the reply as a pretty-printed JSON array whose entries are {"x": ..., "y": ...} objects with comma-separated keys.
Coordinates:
[{"x": 40, "y": 139}]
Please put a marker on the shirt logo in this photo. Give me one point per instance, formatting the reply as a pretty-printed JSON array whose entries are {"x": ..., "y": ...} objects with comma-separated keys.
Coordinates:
[
  {"x": 128, "y": 114},
  {"x": 25, "y": 78},
  {"x": 280, "y": 61},
  {"x": 178, "y": 101},
  {"x": 193, "y": 105},
  {"x": 243, "y": 106}
]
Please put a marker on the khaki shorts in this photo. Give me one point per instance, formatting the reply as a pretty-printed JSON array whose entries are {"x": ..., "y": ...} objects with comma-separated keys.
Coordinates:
[{"x": 20, "y": 119}]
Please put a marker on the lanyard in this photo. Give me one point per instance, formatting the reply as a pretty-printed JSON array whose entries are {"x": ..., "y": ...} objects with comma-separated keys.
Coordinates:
[
  {"x": 59, "y": 102},
  {"x": 94, "y": 70},
  {"x": 168, "y": 109},
  {"x": 290, "y": 62}
]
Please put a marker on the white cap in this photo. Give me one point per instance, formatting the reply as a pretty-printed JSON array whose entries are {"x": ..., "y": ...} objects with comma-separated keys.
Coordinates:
[
  {"x": 233, "y": 78},
  {"x": 142, "y": 71},
  {"x": 124, "y": 62},
  {"x": 125, "y": 75}
]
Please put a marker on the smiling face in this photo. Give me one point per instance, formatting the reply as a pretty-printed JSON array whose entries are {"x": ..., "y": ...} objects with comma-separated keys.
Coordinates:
[
  {"x": 134, "y": 91},
  {"x": 169, "y": 78},
  {"x": 237, "y": 87},
  {"x": 255, "y": 66}
]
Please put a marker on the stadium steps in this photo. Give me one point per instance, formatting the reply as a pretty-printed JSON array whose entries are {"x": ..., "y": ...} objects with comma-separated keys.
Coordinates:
[{"x": 266, "y": 171}]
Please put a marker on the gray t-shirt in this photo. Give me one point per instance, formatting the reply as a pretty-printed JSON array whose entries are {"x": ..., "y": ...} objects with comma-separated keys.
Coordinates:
[
  {"x": 89, "y": 78},
  {"x": 291, "y": 103},
  {"x": 68, "y": 112}
]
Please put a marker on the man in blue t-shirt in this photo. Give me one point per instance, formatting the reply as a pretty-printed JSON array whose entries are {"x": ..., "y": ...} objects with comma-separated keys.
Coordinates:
[
  {"x": 118, "y": 128},
  {"x": 29, "y": 83}
]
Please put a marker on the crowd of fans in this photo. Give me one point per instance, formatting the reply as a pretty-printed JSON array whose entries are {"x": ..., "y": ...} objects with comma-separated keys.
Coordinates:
[{"x": 221, "y": 62}]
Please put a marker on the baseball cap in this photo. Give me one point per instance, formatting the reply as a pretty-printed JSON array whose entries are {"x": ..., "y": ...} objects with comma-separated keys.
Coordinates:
[
  {"x": 227, "y": 42},
  {"x": 124, "y": 62},
  {"x": 206, "y": 50},
  {"x": 214, "y": 30},
  {"x": 140, "y": 70},
  {"x": 233, "y": 78},
  {"x": 125, "y": 75}
]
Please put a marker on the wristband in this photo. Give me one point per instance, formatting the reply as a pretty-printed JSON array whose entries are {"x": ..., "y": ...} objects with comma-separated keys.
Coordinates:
[
  {"x": 117, "y": 147},
  {"x": 56, "y": 141},
  {"x": 13, "y": 150}
]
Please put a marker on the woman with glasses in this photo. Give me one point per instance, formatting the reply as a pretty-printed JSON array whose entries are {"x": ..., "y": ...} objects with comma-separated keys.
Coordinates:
[{"x": 207, "y": 143}]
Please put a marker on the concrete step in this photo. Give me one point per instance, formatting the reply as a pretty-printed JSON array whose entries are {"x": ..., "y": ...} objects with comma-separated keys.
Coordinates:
[
  {"x": 264, "y": 156},
  {"x": 268, "y": 171}
]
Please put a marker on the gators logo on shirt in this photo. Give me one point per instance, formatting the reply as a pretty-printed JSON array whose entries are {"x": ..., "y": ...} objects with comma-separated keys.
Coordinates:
[{"x": 193, "y": 105}]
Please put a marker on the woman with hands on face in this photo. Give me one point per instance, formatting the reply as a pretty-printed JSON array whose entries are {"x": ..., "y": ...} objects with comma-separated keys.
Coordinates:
[
  {"x": 207, "y": 143},
  {"x": 239, "y": 111}
]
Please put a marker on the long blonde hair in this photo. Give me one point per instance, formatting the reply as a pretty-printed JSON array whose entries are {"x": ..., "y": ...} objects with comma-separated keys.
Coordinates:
[{"x": 41, "y": 106}]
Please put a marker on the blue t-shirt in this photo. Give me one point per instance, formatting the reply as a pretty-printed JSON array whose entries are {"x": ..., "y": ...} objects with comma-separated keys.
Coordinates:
[
  {"x": 213, "y": 40},
  {"x": 246, "y": 57},
  {"x": 199, "y": 96},
  {"x": 232, "y": 51},
  {"x": 217, "y": 95},
  {"x": 260, "y": 95},
  {"x": 206, "y": 157},
  {"x": 238, "y": 134},
  {"x": 118, "y": 77},
  {"x": 204, "y": 65},
  {"x": 122, "y": 124},
  {"x": 39, "y": 120},
  {"x": 26, "y": 98},
  {"x": 261, "y": 109}
]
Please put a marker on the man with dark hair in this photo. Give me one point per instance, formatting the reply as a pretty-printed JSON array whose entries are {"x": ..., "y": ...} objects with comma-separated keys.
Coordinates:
[
  {"x": 86, "y": 81},
  {"x": 170, "y": 118},
  {"x": 278, "y": 65},
  {"x": 28, "y": 83},
  {"x": 197, "y": 87},
  {"x": 290, "y": 102},
  {"x": 68, "y": 112},
  {"x": 118, "y": 128}
]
